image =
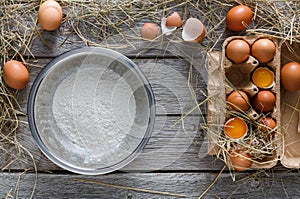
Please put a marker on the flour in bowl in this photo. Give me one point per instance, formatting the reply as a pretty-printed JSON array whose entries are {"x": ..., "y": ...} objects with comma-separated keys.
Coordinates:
[{"x": 95, "y": 109}]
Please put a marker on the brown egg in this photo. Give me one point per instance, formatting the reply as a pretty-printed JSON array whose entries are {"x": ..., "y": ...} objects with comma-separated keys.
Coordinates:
[
  {"x": 264, "y": 101},
  {"x": 267, "y": 124},
  {"x": 149, "y": 31},
  {"x": 238, "y": 18},
  {"x": 290, "y": 76},
  {"x": 263, "y": 50},
  {"x": 238, "y": 100},
  {"x": 240, "y": 160},
  {"x": 174, "y": 20},
  {"x": 15, "y": 74},
  {"x": 237, "y": 51},
  {"x": 50, "y": 15}
]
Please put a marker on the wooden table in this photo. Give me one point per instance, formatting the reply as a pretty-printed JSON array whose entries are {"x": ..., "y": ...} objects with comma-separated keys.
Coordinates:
[{"x": 174, "y": 163}]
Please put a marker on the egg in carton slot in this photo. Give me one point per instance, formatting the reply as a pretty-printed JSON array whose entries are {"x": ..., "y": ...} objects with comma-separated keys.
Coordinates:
[{"x": 244, "y": 90}]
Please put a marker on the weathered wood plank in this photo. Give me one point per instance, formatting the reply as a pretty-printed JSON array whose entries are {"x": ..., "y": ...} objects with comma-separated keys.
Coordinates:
[
  {"x": 53, "y": 44},
  {"x": 169, "y": 79},
  {"x": 184, "y": 185},
  {"x": 171, "y": 147}
]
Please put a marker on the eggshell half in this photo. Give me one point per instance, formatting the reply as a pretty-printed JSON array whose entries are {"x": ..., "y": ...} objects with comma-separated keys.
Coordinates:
[
  {"x": 166, "y": 29},
  {"x": 193, "y": 30},
  {"x": 174, "y": 20}
]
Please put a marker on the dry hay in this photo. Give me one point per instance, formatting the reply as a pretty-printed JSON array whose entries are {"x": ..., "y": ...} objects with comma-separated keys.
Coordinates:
[{"x": 95, "y": 23}]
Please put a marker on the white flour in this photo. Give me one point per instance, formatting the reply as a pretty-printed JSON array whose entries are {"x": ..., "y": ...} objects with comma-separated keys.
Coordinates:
[{"x": 94, "y": 109}]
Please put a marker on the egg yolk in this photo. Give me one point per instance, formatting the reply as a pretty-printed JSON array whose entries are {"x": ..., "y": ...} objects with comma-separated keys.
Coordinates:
[
  {"x": 235, "y": 128},
  {"x": 263, "y": 77}
]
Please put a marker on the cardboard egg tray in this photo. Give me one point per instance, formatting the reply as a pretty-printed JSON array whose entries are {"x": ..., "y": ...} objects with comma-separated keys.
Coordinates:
[
  {"x": 290, "y": 106},
  {"x": 225, "y": 76}
]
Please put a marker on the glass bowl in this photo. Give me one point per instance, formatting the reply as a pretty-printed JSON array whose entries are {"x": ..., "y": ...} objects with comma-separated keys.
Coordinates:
[{"x": 91, "y": 110}]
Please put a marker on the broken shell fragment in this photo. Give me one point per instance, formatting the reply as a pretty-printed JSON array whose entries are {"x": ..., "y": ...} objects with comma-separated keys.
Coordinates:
[
  {"x": 193, "y": 30},
  {"x": 171, "y": 23},
  {"x": 174, "y": 20},
  {"x": 166, "y": 29}
]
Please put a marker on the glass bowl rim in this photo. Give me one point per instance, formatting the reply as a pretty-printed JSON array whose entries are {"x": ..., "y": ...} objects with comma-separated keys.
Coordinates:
[{"x": 31, "y": 105}]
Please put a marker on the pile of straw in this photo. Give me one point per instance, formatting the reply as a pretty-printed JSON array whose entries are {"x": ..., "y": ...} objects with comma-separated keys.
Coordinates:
[{"x": 95, "y": 22}]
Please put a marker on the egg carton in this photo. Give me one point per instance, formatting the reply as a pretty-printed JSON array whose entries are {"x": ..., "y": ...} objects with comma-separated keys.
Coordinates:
[
  {"x": 290, "y": 106},
  {"x": 223, "y": 77}
]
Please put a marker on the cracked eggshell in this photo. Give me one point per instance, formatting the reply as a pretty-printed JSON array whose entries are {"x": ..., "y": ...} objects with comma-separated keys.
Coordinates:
[
  {"x": 174, "y": 20},
  {"x": 164, "y": 28},
  {"x": 171, "y": 23},
  {"x": 193, "y": 30}
]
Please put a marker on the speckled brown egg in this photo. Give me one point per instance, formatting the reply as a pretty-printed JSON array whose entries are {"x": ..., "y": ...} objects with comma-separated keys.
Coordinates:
[
  {"x": 290, "y": 76},
  {"x": 263, "y": 50},
  {"x": 149, "y": 31},
  {"x": 238, "y": 100},
  {"x": 50, "y": 15},
  {"x": 15, "y": 74},
  {"x": 264, "y": 101},
  {"x": 237, "y": 50},
  {"x": 238, "y": 18}
]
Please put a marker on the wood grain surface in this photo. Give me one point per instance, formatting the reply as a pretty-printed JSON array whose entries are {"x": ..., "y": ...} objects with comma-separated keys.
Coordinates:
[
  {"x": 151, "y": 185},
  {"x": 174, "y": 163}
]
